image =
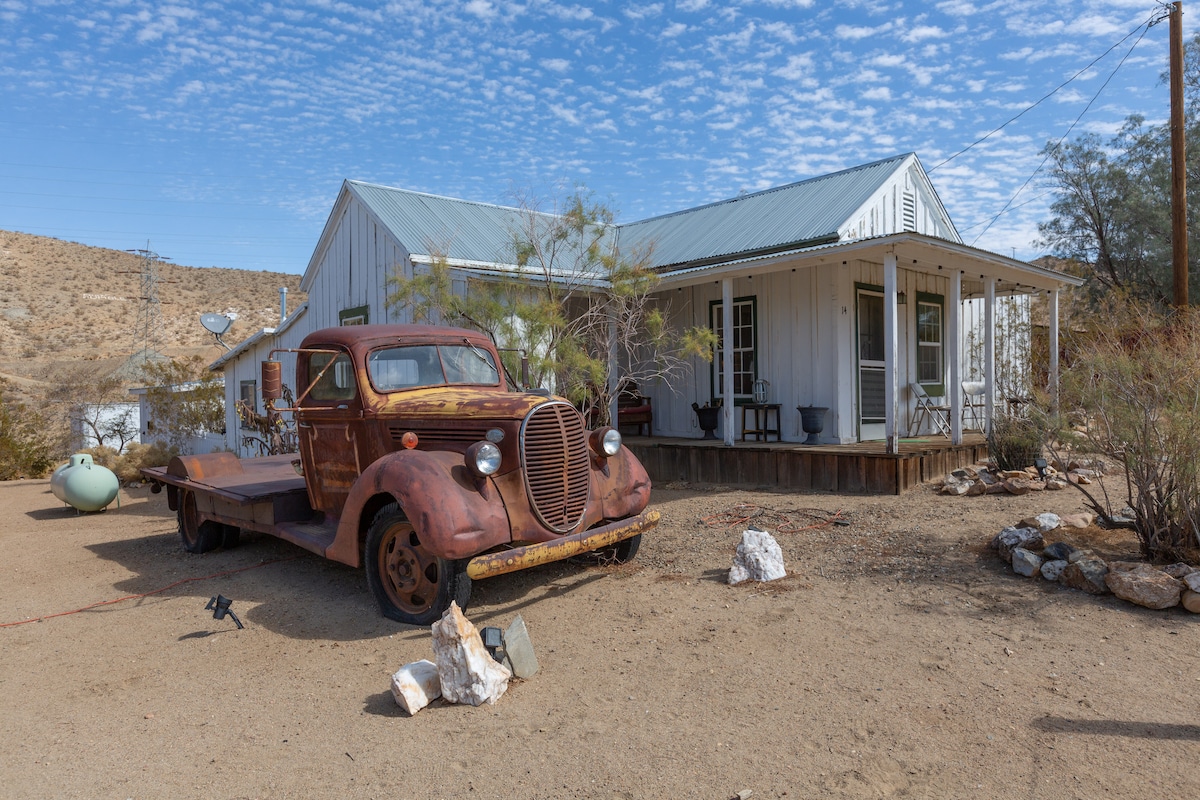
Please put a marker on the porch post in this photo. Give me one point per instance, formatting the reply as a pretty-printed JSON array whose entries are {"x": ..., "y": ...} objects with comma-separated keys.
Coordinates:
[
  {"x": 989, "y": 351},
  {"x": 727, "y": 367},
  {"x": 889, "y": 352},
  {"x": 1053, "y": 387},
  {"x": 613, "y": 378},
  {"x": 954, "y": 334}
]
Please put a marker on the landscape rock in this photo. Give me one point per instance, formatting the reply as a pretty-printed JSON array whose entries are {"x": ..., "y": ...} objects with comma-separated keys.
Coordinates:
[
  {"x": 1191, "y": 601},
  {"x": 956, "y": 489},
  {"x": 758, "y": 558},
  {"x": 518, "y": 650},
  {"x": 1052, "y": 569},
  {"x": 1058, "y": 551},
  {"x": 1077, "y": 555},
  {"x": 997, "y": 488},
  {"x": 467, "y": 671},
  {"x": 1192, "y": 579},
  {"x": 1044, "y": 523},
  {"x": 1055, "y": 483},
  {"x": 1016, "y": 485},
  {"x": 416, "y": 685},
  {"x": 1026, "y": 563},
  {"x": 1083, "y": 519},
  {"x": 987, "y": 477},
  {"x": 1144, "y": 585},
  {"x": 1010, "y": 539},
  {"x": 1181, "y": 570},
  {"x": 977, "y": 488},
  {"x": 1086, "y": 574}
]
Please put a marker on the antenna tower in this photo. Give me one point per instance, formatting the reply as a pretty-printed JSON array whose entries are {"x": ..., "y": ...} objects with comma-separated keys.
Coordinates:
[{"x": 147, "y": 330}]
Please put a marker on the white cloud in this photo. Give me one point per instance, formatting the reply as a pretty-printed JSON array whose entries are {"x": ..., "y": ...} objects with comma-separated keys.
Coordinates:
[
  {"x": 555, "y": 64},
  {"x": 878, "y": 94},
  {"x": 923, "y": 32},
  {"x": 674, "y": 29},
  {"x": 854, "y": 33},
  {"x": 480, "y": 8},
  {"x": 691, "y": 6}
]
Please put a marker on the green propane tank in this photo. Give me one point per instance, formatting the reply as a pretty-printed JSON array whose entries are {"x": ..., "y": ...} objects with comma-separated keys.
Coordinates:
[{"x": 85, "y": 485}]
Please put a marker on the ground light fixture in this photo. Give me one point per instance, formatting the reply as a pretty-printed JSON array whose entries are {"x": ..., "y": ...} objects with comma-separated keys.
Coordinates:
[{"x": 220, "y": 606}]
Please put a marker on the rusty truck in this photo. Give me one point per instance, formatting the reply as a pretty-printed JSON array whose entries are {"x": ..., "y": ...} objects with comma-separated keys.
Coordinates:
[{"x": 422, "y": 462}]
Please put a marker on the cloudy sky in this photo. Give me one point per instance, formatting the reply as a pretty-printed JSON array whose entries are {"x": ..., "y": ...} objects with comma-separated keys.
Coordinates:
[{"x": 218, "y": 133}]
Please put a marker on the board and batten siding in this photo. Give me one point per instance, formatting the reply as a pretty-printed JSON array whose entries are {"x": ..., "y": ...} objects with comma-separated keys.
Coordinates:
[{"x": 354, "y": 269}]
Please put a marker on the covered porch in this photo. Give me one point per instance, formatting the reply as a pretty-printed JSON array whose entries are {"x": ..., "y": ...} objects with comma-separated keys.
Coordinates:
[{"x": 857, "y": 468}]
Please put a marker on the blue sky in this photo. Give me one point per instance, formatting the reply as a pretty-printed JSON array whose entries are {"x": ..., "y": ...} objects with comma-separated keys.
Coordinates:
[{"x": 219, "y": 132}]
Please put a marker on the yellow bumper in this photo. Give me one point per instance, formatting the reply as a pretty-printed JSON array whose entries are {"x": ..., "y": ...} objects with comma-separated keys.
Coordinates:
[{"x": 530, "y": 555}]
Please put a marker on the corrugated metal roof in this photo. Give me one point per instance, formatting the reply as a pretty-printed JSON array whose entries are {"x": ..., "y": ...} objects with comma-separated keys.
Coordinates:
[
  {"x": 809, "y": 211},
  {"x": 457, "y": 229}
]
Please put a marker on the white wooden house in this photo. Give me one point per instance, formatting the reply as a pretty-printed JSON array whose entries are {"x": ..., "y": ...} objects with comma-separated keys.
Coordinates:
[{"x": 841, "y": 291}]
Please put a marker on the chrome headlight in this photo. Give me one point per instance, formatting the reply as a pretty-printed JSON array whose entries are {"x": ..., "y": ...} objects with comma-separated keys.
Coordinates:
[
  {"x": 483, "y": 459},
  {"x": 606, "y": 442}
]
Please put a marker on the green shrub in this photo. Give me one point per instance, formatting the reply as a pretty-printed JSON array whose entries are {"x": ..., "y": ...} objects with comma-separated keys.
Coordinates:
[
  {"x": 1015, "y": 442},
  {"x": 25, "y": 451}
]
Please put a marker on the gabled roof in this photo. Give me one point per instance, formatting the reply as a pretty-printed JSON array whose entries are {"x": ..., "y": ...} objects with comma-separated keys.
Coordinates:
[
  {"x": 808, "y": 212},
  {"x": 480, "y": 236}
]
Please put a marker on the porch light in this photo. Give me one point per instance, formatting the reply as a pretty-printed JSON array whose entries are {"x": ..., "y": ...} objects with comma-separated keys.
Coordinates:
[{"x": 901, "y": 298}]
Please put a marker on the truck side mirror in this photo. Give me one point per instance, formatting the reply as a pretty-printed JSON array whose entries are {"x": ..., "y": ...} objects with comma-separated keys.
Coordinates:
[{"x": 272, "y": 380}]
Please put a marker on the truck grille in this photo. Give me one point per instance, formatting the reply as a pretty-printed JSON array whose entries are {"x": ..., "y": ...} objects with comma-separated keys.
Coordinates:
[{"x": 554, "y": 447}]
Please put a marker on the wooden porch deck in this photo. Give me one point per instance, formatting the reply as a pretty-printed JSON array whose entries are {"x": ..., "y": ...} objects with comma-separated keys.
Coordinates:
[{"x": 861, "y": 468}]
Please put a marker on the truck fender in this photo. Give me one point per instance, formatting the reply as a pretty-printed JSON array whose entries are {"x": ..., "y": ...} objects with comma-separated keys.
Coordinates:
[{"x": 455, "y": 514}]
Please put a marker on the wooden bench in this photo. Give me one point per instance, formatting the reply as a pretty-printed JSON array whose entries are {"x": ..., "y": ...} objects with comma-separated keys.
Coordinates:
[{"x": 635, "y": 409}]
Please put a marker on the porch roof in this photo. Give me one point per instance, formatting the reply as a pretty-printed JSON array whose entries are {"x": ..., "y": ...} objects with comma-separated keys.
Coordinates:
[{"x": 915, "y": 252}]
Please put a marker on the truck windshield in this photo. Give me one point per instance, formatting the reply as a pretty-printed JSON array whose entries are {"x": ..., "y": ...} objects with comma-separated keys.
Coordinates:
[
  {"x": 338, "y": 381},
  {"x": 431, "y": 365}
]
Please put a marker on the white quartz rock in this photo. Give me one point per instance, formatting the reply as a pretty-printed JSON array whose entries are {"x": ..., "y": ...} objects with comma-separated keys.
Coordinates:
[
  {"x": 416, "y": 685},
  {"x": 467, "y": 670},
  {"x": 758, "y": 558}
]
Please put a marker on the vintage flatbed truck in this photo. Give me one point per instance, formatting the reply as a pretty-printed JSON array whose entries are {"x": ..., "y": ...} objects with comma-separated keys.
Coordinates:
[{"x": 419, "y": 462}]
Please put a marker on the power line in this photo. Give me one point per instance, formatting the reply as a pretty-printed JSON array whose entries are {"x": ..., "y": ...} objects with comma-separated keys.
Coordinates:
[
  {"x": 1145, "y": 25},
  {"x": 1046, "y": 157}
]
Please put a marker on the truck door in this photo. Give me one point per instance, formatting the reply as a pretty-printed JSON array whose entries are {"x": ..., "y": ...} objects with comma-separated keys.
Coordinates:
[{"x": 329, "y": 423}]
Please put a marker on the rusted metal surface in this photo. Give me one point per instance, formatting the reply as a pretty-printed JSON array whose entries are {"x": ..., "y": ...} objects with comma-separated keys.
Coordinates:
[
  {"x": 518, "y": 558},
  {"x": 552, "y": 497}
]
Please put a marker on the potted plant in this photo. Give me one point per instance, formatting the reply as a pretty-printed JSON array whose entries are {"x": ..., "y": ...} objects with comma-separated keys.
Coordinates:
[{"x": 708, "y": 417}]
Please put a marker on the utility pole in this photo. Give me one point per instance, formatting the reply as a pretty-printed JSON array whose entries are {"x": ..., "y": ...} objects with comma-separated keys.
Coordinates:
[{"x": 1179, "y": 243}]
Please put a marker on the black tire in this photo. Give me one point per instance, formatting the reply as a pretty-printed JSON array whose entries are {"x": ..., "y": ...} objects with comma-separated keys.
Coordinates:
[
  {"x": 232, "y": 537},
  {"x": 410, "y": 584},
  {"x": 620, "y": 552},
  {"x": 197, "y": 536}
]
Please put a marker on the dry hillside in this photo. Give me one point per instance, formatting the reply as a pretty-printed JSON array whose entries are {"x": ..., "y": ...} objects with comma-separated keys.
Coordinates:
[{"x": 67, "y": 307}]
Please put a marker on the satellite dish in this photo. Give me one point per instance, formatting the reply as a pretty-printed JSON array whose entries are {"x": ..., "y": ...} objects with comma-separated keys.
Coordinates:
[{"x": 217, "y": 325}]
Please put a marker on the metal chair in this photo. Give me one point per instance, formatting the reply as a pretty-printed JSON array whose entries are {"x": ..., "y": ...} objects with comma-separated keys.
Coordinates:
[
  {"x": 930, "y": 405},
  {"x": 973, "y": 402}
]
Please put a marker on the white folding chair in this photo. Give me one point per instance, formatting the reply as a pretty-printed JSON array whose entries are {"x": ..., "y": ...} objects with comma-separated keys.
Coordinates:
[
  {"x": 973, "y": 392},
  {"x": 930, "y": 406}
]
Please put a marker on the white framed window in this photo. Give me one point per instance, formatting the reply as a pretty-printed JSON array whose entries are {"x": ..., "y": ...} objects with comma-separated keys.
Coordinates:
[
  {"x": 743, "y": 346},
  {"x": 930, "y": 330}
]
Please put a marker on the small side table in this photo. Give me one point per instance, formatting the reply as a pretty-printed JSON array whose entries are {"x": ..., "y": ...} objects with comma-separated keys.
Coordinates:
[{"x": 762, "y": 430}]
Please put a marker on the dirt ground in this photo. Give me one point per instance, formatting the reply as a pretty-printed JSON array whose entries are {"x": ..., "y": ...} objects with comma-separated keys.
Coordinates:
[{"x": 898, "y": 659}]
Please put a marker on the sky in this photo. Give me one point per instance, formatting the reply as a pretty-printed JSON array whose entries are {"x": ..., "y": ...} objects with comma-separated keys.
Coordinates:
[{"x": 218, "y": 133}]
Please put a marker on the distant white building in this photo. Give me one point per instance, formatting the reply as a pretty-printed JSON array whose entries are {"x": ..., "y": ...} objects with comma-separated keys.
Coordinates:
[
  {"x": 114, "y": 425},
  {"x": 151, "y": 430}
]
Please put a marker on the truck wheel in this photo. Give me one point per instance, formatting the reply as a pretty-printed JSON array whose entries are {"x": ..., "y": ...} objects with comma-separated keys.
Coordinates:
[
  {"x": 197, "y": 536},
  {"x": 410, "y": 584},
  {"x": 620, "y": 552}
]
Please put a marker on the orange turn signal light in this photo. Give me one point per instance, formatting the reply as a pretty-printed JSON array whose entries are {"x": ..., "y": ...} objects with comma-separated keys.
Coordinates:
[{"x": 409, "y": 440}]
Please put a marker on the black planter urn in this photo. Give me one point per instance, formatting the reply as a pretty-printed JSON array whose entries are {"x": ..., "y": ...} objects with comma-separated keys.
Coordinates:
[
  {"x": 812, "y": 420},
  {"x": 708, "y": 417}
]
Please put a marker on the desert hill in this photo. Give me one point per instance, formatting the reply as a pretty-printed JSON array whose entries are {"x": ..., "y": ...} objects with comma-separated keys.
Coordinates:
[{"x": 67, "y": 308}]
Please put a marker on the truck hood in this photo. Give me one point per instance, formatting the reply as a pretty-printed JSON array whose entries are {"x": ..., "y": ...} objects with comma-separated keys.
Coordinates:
[{"x": 461, "y": 403}]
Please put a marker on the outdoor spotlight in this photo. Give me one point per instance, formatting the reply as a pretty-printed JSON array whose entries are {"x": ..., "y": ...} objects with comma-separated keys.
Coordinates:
[
  {"x": 1041, "y": 465},
  {"x": 220, "y": 606},
  {"x": 493, "y": 640}
]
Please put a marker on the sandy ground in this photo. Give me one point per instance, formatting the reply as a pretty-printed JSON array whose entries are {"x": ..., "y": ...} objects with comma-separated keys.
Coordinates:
[{"x": 899, "y": 659}]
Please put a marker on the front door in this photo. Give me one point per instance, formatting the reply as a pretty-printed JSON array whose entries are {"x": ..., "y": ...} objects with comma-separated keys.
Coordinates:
[{"x": 871, "y": 378}]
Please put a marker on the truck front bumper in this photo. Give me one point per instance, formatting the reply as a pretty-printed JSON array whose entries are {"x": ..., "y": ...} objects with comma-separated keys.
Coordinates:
[{"x": 516, "y": 558}]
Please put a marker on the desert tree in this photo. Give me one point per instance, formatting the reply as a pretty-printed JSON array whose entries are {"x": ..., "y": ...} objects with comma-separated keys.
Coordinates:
[
  {"x": 184, "y": 399},
  {"x": 582, "y": 310}
]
